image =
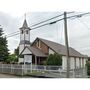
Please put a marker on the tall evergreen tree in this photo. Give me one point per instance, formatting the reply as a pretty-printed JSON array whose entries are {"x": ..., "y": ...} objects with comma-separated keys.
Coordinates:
[{"x": 3, "y": 47}]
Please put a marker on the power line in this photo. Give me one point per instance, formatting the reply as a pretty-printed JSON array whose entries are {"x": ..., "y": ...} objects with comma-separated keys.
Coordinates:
[
  {"x": 44, "y": 21},
  {"x": 59, "y": 20},
  {"x": 55, "y": 21},
  {"x": 13, "y": 35},
  {"x": 50, "y": 19},
  {"x": 35, "y": 28},
  {"x": 40, "y": 22},
  {"x": 84, "y": 24}
]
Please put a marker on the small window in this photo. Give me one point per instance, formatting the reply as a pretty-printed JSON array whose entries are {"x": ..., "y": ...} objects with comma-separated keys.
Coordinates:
[
  {"x": 38, "y": 44},
  {"x": 22, "y": 31},
  {"x": 27, "y": 32}
]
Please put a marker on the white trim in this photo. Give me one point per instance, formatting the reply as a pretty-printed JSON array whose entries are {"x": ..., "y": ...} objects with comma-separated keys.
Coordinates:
[{"x": 26, "y": 51}]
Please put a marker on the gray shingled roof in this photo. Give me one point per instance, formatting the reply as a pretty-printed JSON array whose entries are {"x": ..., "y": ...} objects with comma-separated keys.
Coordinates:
[
  {"x": 25, "y": 25},
  {"x": 61, "y": 48},
  {"x": 36, "y": 51}
]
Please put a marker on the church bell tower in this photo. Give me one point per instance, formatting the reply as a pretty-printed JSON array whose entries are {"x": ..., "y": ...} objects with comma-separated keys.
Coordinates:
[{"x": 24, "y": 38}]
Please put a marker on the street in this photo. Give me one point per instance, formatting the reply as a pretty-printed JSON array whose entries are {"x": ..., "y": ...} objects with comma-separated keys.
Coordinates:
[{"x": 8, "y": 76}]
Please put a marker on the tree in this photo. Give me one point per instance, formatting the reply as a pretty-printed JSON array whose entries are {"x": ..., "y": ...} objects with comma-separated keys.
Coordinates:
[
  {"x": 88, "y": 58},
  {"x": 3, "y": 47},
  {"x": 88, "y": 67},
  {"x": 12, "y": 58},
  {"x": 54, "y": 59},
  {"x": 16, "y": 51}
]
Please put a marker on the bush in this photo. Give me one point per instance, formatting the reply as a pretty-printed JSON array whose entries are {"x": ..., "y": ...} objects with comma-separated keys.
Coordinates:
[
  {"x": 12, "y": 59},
  {"x": 88, "y": 68},
  {"x": 54, "y": 59}
]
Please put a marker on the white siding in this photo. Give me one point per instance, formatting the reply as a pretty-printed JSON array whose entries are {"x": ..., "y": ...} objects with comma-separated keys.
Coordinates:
[
  {"x": 64, "y": 62},
  {"x": 27, "y": 51},
  {"x": 72, "y": 63},
  {"x": 21, "y": 47},
  {"x": 21, "y": 37},
  {"x": 81, "y": 62},
  {"x": 85, "y": 62},
  {"x": 77, "y": 63},
  {"x": 21, "y": 60},
  {"x": 27, "y": 35},
  {"x": 27, "y": 45},
  {"x": 51, "y": 51}
]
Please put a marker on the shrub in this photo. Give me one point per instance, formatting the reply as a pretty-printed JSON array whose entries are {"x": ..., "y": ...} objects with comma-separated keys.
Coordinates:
[
  {"x": 88, "y": 67},
  {"x": 12, "y": 59},
  {"x": 54, "y": 59}
]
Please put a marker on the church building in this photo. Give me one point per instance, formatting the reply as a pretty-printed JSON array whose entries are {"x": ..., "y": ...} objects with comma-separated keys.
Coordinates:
[{"x": 38, "y": 51}]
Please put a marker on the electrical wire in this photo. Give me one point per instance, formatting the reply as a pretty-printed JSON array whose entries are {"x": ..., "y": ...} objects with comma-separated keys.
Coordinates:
[
  {"x": 55, "y": 22},
  {"x": 40, "y": 22},
  {"x": 43, "y": 21},
  {"x": 13, "y": 35},
  {"x": 83, "y": 23}
]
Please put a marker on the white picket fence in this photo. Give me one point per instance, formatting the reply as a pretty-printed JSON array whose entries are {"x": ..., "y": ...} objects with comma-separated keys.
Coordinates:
[{"x": 52, "y": 71}]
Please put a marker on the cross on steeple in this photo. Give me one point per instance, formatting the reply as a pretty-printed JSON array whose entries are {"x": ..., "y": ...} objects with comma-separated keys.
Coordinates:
[
  {"x": 25, "y": 25},
  {"x": 25, "y": 16},
  {"x": 25, "y": 32}
]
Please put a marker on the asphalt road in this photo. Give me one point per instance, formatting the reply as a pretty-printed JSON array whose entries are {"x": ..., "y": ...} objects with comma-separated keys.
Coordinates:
[{"x": 8, "y": 76}]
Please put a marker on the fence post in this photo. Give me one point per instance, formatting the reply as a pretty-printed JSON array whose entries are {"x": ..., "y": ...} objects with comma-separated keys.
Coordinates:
[
  {"x": 44, "y": 68},
  {"x": 31, "y": 67},
  {"x": 74, "y": 73},
  {"x": 2, "y": 68},
  {"x": 60, "y": 72},
  {"x": 11, "y": 68},
  {"x": 86, "y": 70},
  {"x": 22, "y": 69}
]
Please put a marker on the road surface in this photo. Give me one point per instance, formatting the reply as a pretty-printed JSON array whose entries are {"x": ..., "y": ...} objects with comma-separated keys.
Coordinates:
[{"x": 8, "y": 76}]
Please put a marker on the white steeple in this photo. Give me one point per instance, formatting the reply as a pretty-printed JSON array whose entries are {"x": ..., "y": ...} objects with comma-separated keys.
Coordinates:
[
  {"x": 24, "y": 36},
  {"x": 25, "y": 33}
]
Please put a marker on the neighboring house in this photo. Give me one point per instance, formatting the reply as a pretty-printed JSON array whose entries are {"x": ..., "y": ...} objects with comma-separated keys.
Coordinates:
[{"x": 38, "y": 51}]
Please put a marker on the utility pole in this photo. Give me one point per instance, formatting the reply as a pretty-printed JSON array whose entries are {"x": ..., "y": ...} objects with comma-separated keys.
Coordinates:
[{"x": 66, "y": 43}]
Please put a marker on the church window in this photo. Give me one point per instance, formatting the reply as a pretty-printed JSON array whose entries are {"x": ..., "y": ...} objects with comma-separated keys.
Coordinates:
[
  {"x": 38, "y": 44},
  {"x": 27, "y": 32},
  {"x": 22, "y": 31}
]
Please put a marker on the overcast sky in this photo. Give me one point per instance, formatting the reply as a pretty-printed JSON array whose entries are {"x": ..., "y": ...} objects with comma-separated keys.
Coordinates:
[{"x": 12, "y": 17}]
